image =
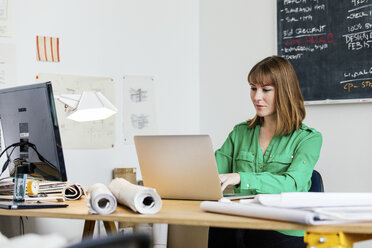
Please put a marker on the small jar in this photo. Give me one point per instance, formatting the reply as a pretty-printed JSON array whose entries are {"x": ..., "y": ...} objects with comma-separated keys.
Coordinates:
[{"x": 20, "y": 178}]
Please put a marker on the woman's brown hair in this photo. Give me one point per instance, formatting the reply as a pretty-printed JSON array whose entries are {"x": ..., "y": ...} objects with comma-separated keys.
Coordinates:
[{"x": 289, "y": 103}]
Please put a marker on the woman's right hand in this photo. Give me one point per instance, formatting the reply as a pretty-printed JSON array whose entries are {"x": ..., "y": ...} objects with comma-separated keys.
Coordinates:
[{"x": 229, "y": 179}]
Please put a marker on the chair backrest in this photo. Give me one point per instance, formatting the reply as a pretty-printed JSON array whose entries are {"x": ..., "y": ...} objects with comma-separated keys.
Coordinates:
[
  {"x": 316, "y": 182},
  {"x": 136, "y": 240}
]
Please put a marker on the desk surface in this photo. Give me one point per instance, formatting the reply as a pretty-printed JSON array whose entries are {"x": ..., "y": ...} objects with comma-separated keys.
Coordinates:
[{"x": 181, "y": 213}]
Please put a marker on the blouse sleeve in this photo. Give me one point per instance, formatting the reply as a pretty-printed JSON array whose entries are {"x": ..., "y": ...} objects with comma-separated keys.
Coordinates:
[{"x": 224, "y": 155}]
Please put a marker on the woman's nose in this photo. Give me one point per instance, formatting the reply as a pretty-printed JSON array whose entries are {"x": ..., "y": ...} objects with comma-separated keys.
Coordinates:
[{"x": 258, "y": 95}]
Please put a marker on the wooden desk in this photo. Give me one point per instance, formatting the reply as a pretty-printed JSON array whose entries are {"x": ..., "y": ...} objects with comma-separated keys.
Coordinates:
[{"x": 188, "y": 213}]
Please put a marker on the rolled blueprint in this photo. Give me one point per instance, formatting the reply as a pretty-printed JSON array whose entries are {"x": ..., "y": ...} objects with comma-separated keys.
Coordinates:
[
  {"x": 100, "y": 200},
  {"x": 140, "y": 199},
  {"x": 73, "y": 192}
]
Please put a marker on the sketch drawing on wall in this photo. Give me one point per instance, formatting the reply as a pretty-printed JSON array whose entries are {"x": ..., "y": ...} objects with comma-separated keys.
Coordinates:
[
  {"x": 139, "y": 116},
  {"x": 139, "y": 121},
  {"x": 138, "y": 95}
]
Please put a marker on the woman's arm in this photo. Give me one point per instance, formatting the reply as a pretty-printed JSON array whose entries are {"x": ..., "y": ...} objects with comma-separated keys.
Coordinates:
[{"x": 224, "y": 155}]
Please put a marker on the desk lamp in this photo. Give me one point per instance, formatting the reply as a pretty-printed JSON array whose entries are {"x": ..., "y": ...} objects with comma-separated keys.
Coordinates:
[{"x": 88, "y": 106}]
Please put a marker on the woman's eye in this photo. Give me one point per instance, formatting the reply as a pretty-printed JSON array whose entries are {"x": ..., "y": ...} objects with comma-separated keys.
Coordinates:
[
  {"x": 253, "y": 89},
  {"x": 266, "y": 90}
]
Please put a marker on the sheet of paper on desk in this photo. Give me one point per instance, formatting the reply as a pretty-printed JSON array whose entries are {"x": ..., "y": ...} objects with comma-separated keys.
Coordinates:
[
  {"x": 324, "y": 216},
  {"x": 353, "y": 214},
  {"x": 314, "y": 199}
]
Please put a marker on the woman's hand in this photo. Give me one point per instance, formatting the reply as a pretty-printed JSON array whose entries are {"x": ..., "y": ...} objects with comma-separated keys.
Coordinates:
[{"x": 229, "y": 179}]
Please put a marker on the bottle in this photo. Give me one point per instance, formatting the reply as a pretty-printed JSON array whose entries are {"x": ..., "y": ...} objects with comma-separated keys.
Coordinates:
[{"x": 20, "y": 178}]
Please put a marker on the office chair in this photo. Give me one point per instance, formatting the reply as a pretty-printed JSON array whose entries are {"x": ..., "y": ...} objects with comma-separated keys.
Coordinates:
[
  {"x": 316, "y": 182},
  {"x": 135, "y": 240}
]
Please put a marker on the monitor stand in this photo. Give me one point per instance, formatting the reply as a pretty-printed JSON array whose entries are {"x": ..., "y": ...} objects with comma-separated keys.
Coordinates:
[{"x": 30, "y": 205}]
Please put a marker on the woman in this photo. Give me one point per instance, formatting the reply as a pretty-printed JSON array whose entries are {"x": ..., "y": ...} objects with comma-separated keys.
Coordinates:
[{"x": 272, "y": 153}]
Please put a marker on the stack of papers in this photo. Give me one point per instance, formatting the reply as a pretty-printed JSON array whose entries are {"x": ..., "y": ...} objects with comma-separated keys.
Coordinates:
[
  {"x": 312, "y": 208},
  {"x": 6, "y": 186},
  {"x": 47, "y": 189}
]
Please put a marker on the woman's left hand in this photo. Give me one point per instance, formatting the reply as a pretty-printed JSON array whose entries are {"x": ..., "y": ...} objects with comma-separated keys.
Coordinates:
[{"x": 229, "y": 179}]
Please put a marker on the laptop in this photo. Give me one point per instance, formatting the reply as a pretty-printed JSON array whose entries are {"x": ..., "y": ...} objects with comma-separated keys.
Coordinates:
[{"x": 179, "y": 166}]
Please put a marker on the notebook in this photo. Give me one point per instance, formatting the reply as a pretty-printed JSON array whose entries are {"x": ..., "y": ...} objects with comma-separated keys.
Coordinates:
[{"x": 179, "y": 166}]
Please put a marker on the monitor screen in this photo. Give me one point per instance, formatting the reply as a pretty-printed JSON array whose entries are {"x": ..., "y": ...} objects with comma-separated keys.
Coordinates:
[{"x": 28, "y": 117}]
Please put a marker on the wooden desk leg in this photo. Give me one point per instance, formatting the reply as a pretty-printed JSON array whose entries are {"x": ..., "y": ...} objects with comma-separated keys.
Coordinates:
[
  {"x": 88, "y": 228},
  {"x": 333, "y": 239},
  {"x": 110, "y": 227}
]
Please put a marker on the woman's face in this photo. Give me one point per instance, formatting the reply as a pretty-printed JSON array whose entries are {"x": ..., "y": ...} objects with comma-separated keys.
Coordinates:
[{"x": 263, "y": 99}]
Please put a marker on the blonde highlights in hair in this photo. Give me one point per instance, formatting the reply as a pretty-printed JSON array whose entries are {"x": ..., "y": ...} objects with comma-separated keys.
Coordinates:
[{"x": 289, "y": 103}]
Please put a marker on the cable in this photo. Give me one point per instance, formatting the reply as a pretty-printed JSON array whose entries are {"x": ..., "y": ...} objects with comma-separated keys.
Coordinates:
[
  {"x": 31, "y": 145},
  {"x": 15, "y": 144},
  {"x": 21, "y": 226},
  {"x": 1, "y": 154},
  {"x": 7, "y": 161},
  {"x": 42, "y": 159}
]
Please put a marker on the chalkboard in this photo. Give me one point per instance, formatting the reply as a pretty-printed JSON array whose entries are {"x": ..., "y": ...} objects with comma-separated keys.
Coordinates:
[{"x": 329, "y": 43}]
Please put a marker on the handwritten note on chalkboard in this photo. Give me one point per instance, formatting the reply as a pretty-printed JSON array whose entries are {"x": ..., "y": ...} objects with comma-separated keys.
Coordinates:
[{"x": 330, "y": 46}]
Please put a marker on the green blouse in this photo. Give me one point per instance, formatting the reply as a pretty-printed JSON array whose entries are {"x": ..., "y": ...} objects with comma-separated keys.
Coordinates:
[{"x": 286, "y": 166}]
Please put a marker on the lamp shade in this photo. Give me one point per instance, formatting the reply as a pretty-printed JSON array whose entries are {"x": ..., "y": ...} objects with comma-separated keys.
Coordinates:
[{"x": 89, "y": 106}]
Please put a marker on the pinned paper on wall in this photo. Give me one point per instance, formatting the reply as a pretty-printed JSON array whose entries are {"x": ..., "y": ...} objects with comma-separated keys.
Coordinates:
[
  {"x": 139, "y": 116},
  {"x": 5, "y": 17},
  {"x": 3, "y": 9},
  {"x": 7, "y": 65},
  {"x": 47, "y": 49},
  {"x": 82, "y": 135}
]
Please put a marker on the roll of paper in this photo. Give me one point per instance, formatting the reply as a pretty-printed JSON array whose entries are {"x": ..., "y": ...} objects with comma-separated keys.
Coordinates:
[
  {"x": 100, "y": 200},
  {"x": 140, "y": 199},
  {"x": 73, "y": 192}
]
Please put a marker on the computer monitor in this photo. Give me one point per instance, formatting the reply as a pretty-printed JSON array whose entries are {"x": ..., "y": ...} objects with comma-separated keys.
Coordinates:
[
  {"x": 27, "y": 113},
  {"x": 28, "y": 117}
]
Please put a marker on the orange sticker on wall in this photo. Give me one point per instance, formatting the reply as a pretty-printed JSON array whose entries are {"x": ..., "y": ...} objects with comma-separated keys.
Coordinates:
[{"x": 47, "y": 49}]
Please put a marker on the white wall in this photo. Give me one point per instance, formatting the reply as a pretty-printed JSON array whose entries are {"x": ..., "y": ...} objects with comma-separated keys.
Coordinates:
[
  {"x": 115, "y": 38},
  {"x": 234, "y": 35}
]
